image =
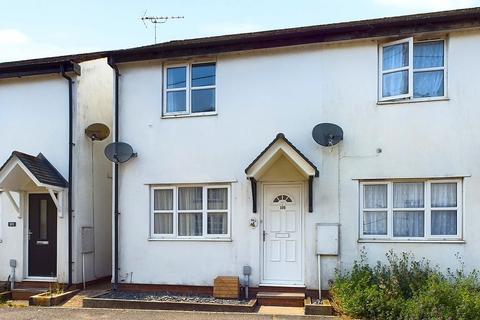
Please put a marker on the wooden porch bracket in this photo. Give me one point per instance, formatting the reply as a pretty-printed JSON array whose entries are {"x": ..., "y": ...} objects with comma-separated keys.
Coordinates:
[
  {"x": 310, "y": 194},
  {"x": 57, "y": 202},
  {"x": 254, "y": 194}
]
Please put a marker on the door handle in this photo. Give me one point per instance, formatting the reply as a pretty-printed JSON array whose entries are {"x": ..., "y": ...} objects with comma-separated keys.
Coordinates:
[{"x": 29, "y": 234}]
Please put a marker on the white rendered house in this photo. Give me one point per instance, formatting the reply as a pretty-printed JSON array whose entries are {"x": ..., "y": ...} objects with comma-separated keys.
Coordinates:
[
  {"x": 55, "y": 183},
  {"x": 228, "y": 173}
]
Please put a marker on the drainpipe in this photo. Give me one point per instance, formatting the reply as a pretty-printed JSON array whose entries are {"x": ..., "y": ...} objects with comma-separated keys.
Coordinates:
[
  {"x": 70, "y": 172},
  {"x": 112, "y": 64}
]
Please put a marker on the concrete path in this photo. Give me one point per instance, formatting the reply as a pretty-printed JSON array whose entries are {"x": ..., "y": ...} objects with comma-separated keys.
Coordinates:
[
  {"x": 91, "y": 291},
  {"x": 34, "y": 313}
]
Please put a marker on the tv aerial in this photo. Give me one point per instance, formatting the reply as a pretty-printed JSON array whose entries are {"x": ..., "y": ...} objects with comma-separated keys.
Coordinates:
[
  {"x": 327, "y": 134},
  {"x": 156, "y": 20},
  {"x": 119, "y": 152}
]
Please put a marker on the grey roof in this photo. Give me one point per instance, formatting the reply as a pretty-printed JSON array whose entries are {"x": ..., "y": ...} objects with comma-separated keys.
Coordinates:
[
  {"x": 380, "y": 27},
  {"x": 40, "y": 167},
  {"x": 372, "y": 28}
]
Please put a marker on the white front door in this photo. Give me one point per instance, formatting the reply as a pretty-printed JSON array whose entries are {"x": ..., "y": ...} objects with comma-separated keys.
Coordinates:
[{"x": 282, "y": 235}]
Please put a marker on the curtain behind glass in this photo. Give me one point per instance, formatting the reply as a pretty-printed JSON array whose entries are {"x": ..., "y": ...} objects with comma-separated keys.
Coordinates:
[
  {"x": 217, "y": 199},
  {"x": 428, "y": 83},
  {"x": 190, "y": 224},
  {"x": 163, "y": 223},
  {"x": 395, "y": 56},
  {"x": 375, "y": 196},
  {"x": 428, "y": 54},
  {"x": 163, "y": 199},
  {"x": 444, "y": 195},
  {"x": 395, "y": 83},
  {"x": 408, "y": 224},
  {"x": 190, "y": 198},
  {"x": 408, "y": 195},
  {"x": 375, "y": 223},
  {"x": 444, "y": 222},
  {"x": 217, "y": 223}
]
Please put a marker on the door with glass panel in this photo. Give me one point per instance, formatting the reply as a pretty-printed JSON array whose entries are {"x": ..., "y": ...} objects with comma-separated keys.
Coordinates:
[{"x": 42, "y": 236}]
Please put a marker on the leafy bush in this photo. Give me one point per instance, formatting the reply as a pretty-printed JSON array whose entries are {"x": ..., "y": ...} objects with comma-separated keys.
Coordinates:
[{"x": 404, "y": 288}]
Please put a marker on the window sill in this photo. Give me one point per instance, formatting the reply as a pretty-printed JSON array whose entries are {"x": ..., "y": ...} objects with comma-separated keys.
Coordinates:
[
  {"x": 192, "y": 239},
  {"x": 402, "y": 101},
  {"x": 200, "y": 114},
  {"x": 453, "y": 241}
]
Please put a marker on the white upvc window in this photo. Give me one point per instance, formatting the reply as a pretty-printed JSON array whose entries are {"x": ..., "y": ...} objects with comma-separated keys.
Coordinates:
[
  {"x": 190, "y": 211},
  {"x": 189, "y": 89},
  {"x": 411, "y": 210},
  {"x": 412, "y": 70}
]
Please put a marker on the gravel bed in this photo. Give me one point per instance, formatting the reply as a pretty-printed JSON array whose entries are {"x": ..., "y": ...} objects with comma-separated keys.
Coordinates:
[{"x": 168, "y": 297}]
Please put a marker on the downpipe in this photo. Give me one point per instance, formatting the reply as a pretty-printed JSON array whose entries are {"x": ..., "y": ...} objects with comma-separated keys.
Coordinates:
[
  {"x": 116, "y": 268},
  {"x": 70, "y": 173}
]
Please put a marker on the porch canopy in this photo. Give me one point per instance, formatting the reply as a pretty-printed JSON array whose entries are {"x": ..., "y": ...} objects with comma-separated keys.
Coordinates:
[
  {"x": 26, "y": 173},
  {"x": 279, "y": 147}
]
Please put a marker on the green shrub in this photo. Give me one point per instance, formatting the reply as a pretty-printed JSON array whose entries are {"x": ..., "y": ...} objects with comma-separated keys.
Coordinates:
[{"x": 404, "y": 288}]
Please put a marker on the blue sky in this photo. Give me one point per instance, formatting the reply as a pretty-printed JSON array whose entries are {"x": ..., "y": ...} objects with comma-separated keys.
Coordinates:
[{"x": 39, "y": 28}]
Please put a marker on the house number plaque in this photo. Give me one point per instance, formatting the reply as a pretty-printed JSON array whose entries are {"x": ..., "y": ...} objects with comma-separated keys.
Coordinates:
[{"x": 12, "y": 224}]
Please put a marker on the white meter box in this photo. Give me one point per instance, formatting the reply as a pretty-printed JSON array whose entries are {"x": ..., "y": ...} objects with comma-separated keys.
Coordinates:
[
  {"x": 88, "y": 244},
  {"x": 327, "y": 239}
]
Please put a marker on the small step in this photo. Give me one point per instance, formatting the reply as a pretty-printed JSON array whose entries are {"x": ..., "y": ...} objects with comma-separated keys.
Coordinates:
[
  {"x": 25, "y": 293},
  {"x": 282, "y": 299}
]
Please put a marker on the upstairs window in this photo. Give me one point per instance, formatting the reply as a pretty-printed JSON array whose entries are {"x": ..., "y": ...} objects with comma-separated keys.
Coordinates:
[
  {"x": 189, "y": 89},
  {"x": 412, "y": 70}
]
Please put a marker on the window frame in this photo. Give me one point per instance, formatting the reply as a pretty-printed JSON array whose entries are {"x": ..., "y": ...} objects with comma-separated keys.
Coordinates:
[
  {"x": 408, "y": 68},
  {"x": 204, "y": 211},
  {"x": 427, "y": 208},
  {"x": 188, "y": 88},
  {"x": 153, "y": 211},
  {"x": 408, "y": 97}
]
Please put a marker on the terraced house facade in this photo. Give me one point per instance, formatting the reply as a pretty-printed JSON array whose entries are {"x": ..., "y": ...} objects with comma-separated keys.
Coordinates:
[{"x": 228, "y": 174}]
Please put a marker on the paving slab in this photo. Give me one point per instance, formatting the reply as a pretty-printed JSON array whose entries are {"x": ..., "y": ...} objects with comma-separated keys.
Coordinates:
[
  {"x": 39, "y": 313},
  {"x": 90, "y": 291},
  {"x": 281, "y": 310}
]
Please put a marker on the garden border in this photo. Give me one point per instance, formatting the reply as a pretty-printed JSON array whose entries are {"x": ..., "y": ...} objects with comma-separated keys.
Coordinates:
[{"x": 98, "y": 302}]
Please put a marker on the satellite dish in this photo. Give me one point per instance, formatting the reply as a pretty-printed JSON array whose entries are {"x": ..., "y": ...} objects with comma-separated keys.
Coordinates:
[
  {"x": 327, "y": 134},
  {"x": 97, "y": 131},
  {"x": 119, "y": 152}
]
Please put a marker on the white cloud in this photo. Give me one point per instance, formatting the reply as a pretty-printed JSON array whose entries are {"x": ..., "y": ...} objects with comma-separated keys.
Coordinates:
[
  {"x": 12, "y": 37},
  {"x": 429, "y": 5},
  {"x": 16, "y": 45}
]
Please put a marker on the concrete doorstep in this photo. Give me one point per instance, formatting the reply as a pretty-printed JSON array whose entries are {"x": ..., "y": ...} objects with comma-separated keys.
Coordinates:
[{"x": 109, "y": 314}]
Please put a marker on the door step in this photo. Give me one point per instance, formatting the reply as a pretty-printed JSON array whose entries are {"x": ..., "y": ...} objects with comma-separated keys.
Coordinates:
[
  {"x": 26, "y": 293},
  {"x": 282, "y": 299},
  {"x": 33, "y": 284}
]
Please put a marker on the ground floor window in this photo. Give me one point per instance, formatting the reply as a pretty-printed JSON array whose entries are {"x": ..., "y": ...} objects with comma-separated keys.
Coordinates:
[
  {"x": 190, "y": 211},
  {"x": 411, "y": 209}
]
